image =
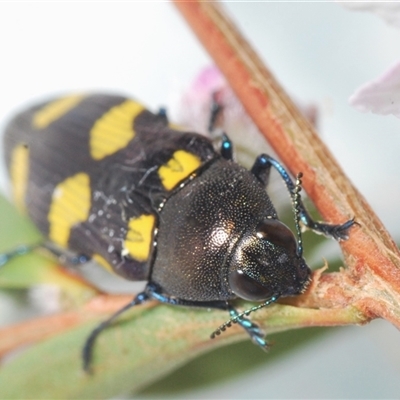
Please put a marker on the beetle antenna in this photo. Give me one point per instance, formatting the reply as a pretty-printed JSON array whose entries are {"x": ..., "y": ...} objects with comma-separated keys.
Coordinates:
[
  {"x": 240, "y": 318},
  {"x": 297, "y": 212}
]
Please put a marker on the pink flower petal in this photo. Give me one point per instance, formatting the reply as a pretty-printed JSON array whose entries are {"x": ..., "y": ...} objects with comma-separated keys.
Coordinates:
[
  {"x": 381, "y": 95},
  {"x": 388, "y": 11},
  {"x": 194, "y": 104}
]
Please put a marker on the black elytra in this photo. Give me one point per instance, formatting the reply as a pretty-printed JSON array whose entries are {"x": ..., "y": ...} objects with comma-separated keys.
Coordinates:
[{"x": 106, "y": 179}]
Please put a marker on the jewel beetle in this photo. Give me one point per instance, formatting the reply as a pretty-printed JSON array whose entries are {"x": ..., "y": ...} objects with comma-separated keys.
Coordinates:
[{"x": 108, "y": 180}]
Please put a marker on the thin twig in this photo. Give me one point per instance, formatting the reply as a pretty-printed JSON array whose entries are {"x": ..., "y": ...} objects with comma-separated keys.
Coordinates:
[{"x": 41, "y": 328}]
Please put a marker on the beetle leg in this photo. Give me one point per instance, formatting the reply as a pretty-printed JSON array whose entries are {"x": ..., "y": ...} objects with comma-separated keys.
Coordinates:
[
  {"x": 226, "y": 147},
  {"x": 18, "y": 251},
  {"x": 162, "y": 112},
  {"x": 255, "y": 332},
  {"x": 87, "y": 351},
  {"x": 66, "y": 257},
  {"x": 151, "y": 292},
  {"x": 62, "y": 256},
  {"x": 154, "y": 292},
  {"x": 261, "y": 169},
  {"x": 216, "y": 109}
]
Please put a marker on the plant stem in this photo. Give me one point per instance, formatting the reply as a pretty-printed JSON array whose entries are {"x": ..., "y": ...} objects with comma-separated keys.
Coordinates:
[
  {"x": 373, "y": 259},
  {"x": 37, "y": 329}
]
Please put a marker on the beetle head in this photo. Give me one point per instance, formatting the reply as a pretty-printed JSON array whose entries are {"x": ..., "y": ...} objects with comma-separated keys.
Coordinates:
[{"x": 267, "y": 262}]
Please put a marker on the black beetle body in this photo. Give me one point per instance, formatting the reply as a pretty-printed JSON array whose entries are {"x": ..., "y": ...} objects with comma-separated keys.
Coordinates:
[
  {"x": 105, "y": 178},
  {"x": 210, "y": 230}
]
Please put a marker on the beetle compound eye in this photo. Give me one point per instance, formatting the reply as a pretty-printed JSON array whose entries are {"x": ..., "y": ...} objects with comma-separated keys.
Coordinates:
[
  {"x": 277, "y": 233},
  {"x": 248, "y": 288}
]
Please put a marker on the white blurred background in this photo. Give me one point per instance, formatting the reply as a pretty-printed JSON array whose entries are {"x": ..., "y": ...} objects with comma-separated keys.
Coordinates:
[{"x": 320, "y": 52}]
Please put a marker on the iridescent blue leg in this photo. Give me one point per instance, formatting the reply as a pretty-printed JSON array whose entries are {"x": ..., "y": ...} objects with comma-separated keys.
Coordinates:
[
  {"x": 18, "y": 251},
  {"x": 163, "y": 114},
  {"x": 65, "y": 257},
  {"x": 226, "y": 147},
  {"x": 154, "y": 292},
  {"x": 87, "y": 351},
  {"x": 215, "y": 111},
  {"x": 261, "y": 169},
  {"x": 151, "y": 292},
  {"x": 255, "y": 332}
]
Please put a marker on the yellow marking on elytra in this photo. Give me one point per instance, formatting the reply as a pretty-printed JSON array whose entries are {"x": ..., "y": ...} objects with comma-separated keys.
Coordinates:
[
  {"x": 55, "y": 110},
  {"x": 70, "y": 205},
  {"x": 139, "y": 237},
  {"x": 103, "y": 262},
  {"x": 19, "y": 172},
  {"x": 114, "y": 130},
  {"x": 179, "y": 167}
]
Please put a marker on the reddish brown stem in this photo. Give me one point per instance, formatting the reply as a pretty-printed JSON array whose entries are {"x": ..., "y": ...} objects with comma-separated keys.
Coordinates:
[
  {"x": 373, "y": 259},
  {"x": 38, "y": 329}
]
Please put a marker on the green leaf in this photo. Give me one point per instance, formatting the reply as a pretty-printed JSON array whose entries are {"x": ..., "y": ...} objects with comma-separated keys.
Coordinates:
[
  {"x": 227, "y": 362},
  {"x": 16, "y": 229},
  {"x": 148, "y": 343},
  {"x": 34, "y": 268},
  {"x": 127, "y": 356}
]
